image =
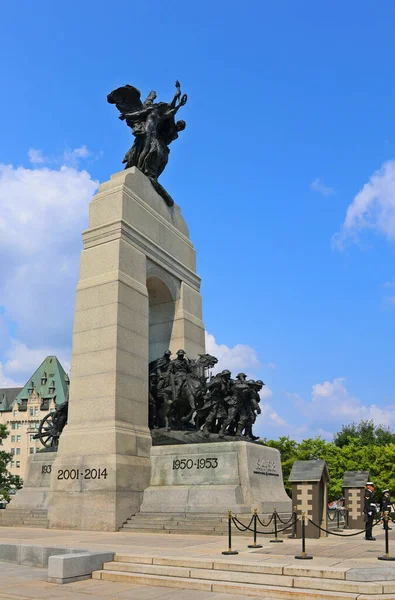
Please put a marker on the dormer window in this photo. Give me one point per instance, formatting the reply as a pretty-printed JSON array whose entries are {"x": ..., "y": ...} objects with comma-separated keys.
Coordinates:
[
  {"x": 31, "y": 388},
  {"x": 51, "y": 390},
  {"x": 44, "y": 379}
]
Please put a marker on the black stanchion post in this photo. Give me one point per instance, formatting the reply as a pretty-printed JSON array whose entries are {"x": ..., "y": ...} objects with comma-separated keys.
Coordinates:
[
  {"x": 229, "y": 550},
  {"x": 338, "y": 520},
  {"x": 304, "y": 556},
  {"x": 255, "y": 545},
  {"x": 295, "y": 518},
  {"x": 386, "y": 556},
  {"x": 347, "y": 525},
  {"x": 276, "y": 540}
]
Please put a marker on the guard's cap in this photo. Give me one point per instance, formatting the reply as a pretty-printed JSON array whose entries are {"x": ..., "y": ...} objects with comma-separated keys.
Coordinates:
[
  {"x": 259, "y": 382},
  {"x": 241, "y": 375},
  {"x": 370, "y": 483},
  {"x": 168, "y": 353},
  {"x": 225, "y": 372},
  {"x": 385, "y": 491},
  {"x": 180, "y": 352},
  {"x": 251, "y": 382}
]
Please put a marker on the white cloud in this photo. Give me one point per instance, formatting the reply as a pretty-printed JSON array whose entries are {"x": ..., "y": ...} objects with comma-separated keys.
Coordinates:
[
  {"x": 71, "y": 157},
  {"x": 36, "y": 157},
  {"x": 271, "y": 366},
  {"x": 7, "y": 382},
  {"x": 373, "y": 208},
  {"x": 333, "y": 405},
  {"x": 318, "y": 186},
  {"x": 43, "y": 212},
  {"x": 265, "y": 393},
  {"x": 23, "y": 361},
  {"x": 239, "y": 358}
]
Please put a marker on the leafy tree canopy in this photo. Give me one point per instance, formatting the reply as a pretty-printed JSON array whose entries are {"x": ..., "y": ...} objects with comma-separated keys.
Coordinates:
[{"x": 357, "y": 447}]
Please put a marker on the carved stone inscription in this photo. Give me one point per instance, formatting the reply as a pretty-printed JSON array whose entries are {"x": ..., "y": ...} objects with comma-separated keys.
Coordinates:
[
  {"x": 195, "y": 469},
  {"x": 266, "y": 467}
]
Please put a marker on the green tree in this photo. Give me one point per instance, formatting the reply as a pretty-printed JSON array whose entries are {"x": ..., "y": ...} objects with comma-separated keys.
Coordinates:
[
  {"x": 7, "y": 480},
  {"x": 366, "y": 432},
  {"x": 360, "y": 446}
]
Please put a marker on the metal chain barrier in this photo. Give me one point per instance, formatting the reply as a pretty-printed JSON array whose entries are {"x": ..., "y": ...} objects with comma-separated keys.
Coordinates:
[
  {"x": 342, "y": 535},
  {"x": 241, "y": 527},
  {"x": 268, "y": 523},
  {"x": 236, "y": 523}
]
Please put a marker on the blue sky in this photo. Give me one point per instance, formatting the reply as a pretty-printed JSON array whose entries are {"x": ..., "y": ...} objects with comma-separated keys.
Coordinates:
[{"x": 290, "y": 114}]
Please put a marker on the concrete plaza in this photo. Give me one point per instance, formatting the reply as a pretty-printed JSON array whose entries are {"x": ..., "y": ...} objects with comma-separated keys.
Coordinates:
[{"x": 332, "y": 556}]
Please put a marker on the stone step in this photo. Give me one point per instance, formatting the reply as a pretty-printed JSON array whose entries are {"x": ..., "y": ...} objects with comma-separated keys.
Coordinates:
[
  {"x": 20, "y": 517},
  {"x": 266, "y": 590},
  {"x": 198, "y": 523},
  {"x": 243, "y": 574}
]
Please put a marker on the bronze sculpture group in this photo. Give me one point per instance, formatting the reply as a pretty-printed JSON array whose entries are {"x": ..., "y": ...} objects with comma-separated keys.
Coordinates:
[
  {"x": 183, "y": 396},
  {"x": 154, "y": 126}
]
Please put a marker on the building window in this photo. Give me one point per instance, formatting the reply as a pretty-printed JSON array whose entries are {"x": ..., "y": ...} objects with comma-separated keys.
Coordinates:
[
  {"x": 32, "y": 437},
  {"x": 18, "y": 450},
  {"x": 18, "y": 464},
  {"x": 37, "y": 449},
  {"x": 13, "y": 425},
  {"x": 15, "y": 413},
  {"x": 18, "y": 438},
  {"x": 18, "y": 425},
  {"x": 12, "y": 451},
  {"x": 12, "y": 439},
  {"x": 37, "y": 424},
  {"x": 36, "y": 412},
  {"x": 44, "y": 379},
  {"x": 31, "y": 412},
  {"x": 31, "y": 450},
  {"x": 12, "y": 464}
]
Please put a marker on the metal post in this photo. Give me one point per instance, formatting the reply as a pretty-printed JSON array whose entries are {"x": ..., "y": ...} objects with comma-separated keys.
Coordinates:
[
  {"x": 230, "y": 551},
  {"x": 276, "y": 540},
  {"x": 347, "y": 525},
  {"x": 304, "y": 556},
  {"x": 386, "y": 556},
  {"x": 255, "y": 545},
  {"x": 338, "y": 520},
  {"x": 294, "y": 527}
]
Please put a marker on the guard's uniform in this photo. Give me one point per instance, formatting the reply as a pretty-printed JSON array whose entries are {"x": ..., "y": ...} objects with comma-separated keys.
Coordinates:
[{"x": 369, "y": 510}]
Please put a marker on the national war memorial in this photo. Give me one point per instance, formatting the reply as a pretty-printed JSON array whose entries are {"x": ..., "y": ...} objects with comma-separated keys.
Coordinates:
[{"x": 142, "y": 432}]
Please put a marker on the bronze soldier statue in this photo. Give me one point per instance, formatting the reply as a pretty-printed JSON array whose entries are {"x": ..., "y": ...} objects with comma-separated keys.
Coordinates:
[
  {"x": 253, "y": 407},
  {"x": 218, "y": 392},
  {"x": 178, "y": 371}
]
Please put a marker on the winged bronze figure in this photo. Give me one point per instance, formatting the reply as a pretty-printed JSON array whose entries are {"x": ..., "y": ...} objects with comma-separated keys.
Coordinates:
[{"x": 154, "y": 127}]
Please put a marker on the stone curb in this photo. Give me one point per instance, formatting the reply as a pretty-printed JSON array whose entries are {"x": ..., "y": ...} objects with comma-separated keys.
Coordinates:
[
  {"x": 74, "y": 567},
  {"x": 30, "y": 555}
]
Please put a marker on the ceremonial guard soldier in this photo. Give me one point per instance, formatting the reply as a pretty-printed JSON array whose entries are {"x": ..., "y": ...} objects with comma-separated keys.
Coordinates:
[
  {"x": 386, "y": 505},
  {"x": 370, "y": 509}
]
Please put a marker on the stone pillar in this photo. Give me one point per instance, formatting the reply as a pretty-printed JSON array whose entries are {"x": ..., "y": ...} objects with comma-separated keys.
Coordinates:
[
  {"x": 354, "y": 483},
  {"x": 309, "y": 480},
  {"x": 103, "y": 461}
]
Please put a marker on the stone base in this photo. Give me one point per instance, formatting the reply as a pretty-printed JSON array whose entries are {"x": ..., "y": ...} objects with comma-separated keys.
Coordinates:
[
  {"x": 97, "y": 492},
  {"x": 162, "y": 437},
  {"x": 216, "y": 477},
  {"x": 35, "y": 491}
]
